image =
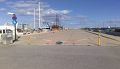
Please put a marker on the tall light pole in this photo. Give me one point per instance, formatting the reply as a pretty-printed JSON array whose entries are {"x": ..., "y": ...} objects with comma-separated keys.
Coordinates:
[
  {"x": 39, "y": 14},
  {"x": 34, "y": 18}
]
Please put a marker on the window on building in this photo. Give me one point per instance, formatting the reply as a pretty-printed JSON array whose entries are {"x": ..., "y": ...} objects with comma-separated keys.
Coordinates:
[
  {"x": 0, "y": 31},
  {"x": 3, "y": 31},
  {"x": 8, "y": 31}
]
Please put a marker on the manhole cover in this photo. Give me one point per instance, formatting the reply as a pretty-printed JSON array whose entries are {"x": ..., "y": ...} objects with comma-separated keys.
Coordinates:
[{"x": 59, "y": 42}]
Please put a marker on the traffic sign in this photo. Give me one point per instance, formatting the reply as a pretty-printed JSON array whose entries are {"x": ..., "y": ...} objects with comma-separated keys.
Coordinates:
[
  {"x": 14, "y": 22},
  {"x": 14, "y": 17}
]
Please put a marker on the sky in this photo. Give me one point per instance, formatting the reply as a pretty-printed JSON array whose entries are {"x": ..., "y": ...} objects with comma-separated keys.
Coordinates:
[{"x": 74, "y": 13}]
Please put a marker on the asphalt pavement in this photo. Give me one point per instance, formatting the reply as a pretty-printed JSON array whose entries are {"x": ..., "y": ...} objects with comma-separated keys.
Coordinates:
[{"x": 60, "y": 57}]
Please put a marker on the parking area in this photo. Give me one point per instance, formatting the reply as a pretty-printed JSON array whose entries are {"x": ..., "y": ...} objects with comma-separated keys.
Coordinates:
[{"x": 69, "y": 37}]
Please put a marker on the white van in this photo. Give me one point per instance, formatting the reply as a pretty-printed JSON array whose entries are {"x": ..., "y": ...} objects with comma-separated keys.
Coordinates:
[{"x": 6, "y": 29}]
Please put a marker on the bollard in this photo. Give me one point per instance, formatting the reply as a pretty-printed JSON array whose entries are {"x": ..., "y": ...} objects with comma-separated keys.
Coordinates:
[
  {"x": 29, "y": 40},
  {"x": 99, "y": 39}
]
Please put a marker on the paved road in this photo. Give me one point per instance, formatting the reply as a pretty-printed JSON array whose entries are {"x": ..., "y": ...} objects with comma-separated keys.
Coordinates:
[{"x": 60, "y": 57}]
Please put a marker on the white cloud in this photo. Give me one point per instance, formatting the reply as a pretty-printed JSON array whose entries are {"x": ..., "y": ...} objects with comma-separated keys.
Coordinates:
[
  {"x": 2, "y": 0},
  {"x": 65, "y": 11},
  {"x": 10, "y": 13},
  {"x": 21, "y": 4},
  {"x": 52, "y": 11},
  {"x": 27, "y": 8},
  {"x": 2, "y": 9},
  {"x": 29, "y": 13}
]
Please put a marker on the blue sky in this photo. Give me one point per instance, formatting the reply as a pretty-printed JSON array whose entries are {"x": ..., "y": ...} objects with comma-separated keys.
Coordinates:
[
  {"x": 95, "y": 9},
  {"x": 82, "y": 13}
]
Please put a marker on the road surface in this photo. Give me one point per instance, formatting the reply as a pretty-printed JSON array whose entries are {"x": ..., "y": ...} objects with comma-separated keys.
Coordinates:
[{"x": 60, "y": 57}]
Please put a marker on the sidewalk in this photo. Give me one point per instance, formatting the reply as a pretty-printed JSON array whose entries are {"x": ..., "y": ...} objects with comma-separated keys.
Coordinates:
[{"x": 116, "y": 38}]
